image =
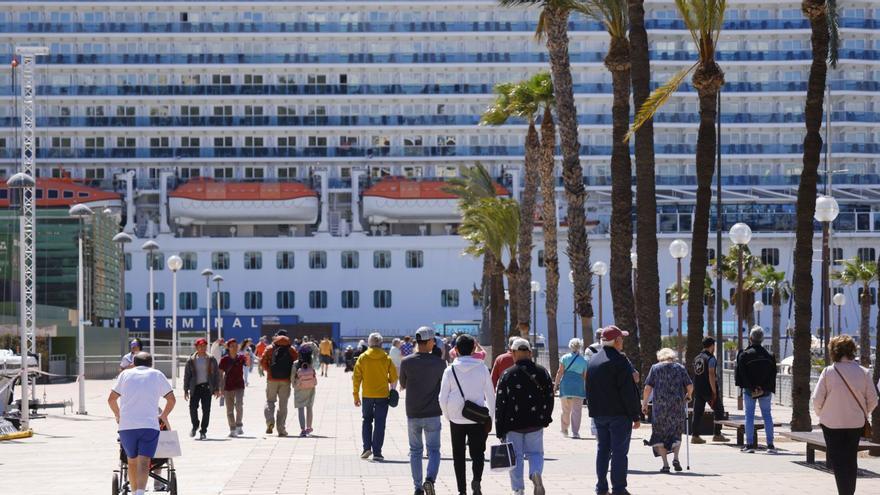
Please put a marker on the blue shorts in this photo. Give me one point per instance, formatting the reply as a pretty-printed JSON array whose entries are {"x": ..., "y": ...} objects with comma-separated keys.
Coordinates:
[{"x": 139, "y": 442}]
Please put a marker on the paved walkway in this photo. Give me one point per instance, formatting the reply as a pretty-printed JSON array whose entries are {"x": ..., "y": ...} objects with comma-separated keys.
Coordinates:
[{"x": 73, "y": 454}]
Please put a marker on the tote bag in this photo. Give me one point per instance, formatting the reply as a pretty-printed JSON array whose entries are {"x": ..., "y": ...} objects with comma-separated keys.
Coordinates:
[
  {"x": 169, "y": 445},
  {"x": 502, "y": 457}
]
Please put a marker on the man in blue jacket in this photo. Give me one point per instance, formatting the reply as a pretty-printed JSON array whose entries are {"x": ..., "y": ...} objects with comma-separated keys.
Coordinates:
[{"x": 613, "y": 399}]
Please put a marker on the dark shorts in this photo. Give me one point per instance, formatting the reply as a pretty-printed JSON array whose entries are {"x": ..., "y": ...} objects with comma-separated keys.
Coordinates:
[
  {"x": 326, "y": 359},
  {"x": 139, "y": 442}
]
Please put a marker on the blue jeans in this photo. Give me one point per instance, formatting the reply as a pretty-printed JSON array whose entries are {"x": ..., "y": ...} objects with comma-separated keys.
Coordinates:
[
  {"x": 613, "y": 434},
  {"x": 431, "y": 429},
  {"x": 374, "y": 410},
  {"x": 530, "y": 445},
  {"x": 765, "y": 403}
]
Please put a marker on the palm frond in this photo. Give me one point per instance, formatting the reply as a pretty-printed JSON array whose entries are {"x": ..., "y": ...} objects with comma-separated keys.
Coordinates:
[
  {"x": 613, "y": 14},
  {"x": 833, "y": 32},
  {"x": 657, "y": 99}
]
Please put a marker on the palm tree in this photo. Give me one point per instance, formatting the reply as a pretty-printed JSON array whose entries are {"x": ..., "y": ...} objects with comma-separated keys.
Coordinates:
[
  {"x": 823, "y": 27},
  {"x": 704, "y": 20},
  {"x": 490, "y": 227},
  {"x": 648, "y": 280},
  {"x": 708, "y": 299},
  {"x": 764, "y": 278},
  {"x": 553, "y": 27},
  {"x": 613, "y": 15},
  {"x": 744, "y": 303},
  {"x": 876, "y": 415},
  {"x": 863, "y": 273}
]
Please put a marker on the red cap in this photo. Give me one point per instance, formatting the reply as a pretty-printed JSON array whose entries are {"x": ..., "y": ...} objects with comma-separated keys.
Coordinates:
[
  {"x": 201, "y": 342},
  {"x": 610, "y": 333}
]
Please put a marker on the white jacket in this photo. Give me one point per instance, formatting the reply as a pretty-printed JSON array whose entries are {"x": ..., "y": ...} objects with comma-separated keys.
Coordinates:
[{"x": 476, "y": 383}]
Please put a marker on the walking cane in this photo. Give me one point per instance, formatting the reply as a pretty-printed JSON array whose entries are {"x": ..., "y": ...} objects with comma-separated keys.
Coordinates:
[{"x": 687, "y": 436}]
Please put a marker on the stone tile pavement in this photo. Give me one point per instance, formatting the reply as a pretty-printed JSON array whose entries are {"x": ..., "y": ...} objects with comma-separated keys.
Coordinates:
[{"x": 72, "y": 454}]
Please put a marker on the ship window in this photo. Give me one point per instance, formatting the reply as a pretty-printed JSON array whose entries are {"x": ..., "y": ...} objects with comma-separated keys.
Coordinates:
[
  {"x": 39, "y": 191},
  {"x": 158, "y": 300},
  {"x": 381, "y": 299},
  {"x": 351, "y": 299},
  {"x": 158, "y": 261},
  {"x": 67, "y": 194},
  {"x": 285, "y": 299},
  {"x": 189, "y": 300},
  {"x": 128, "y": 301},
  {"x": 128, "y": 262},
  {"x": 836, "y": 255},
  {"x": 381, "y": 259},
  {"x": 190, "y": 260},
  {"x": 3, "y": 194},
  {"x": 95, "y": 173},
  {"x": 350, "y": 260},
  {"x": 224, "y": 299},
  {"x": 541, "y": 258},
  {"x": 253, "y": 300},
  {"x": 866, "y": 254},
  {"x": 415, "y": 259},
  {"x": 770, "y": 256},
  {"x": 286, "y": 172},
  {"x": 317, "y": 260},
  {"x": 284, "y": 260},
  {"x": 220, "y": 260},
  {"x": 53, "y": 194},
  {"x": 318, "y": 299},
  {"x": 254, "y": 173},
  {"x": 253, "y": 260},
  {"x": 223, "y": 172},
  {"x": 83, "y": 194},
  {"x": 449, "y": 298}
]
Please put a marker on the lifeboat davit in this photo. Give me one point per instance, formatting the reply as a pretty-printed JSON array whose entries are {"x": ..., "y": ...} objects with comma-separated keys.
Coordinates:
[
  {"x": 66, "y": 192},
  {"x": 400, "y": 200},
  {"x": 205, "y": 201}
]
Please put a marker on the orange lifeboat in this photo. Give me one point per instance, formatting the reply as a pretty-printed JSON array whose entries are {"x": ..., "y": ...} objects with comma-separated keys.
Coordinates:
[
  {"x": 205, "y": 201},
  {"x": 66, "y": 192},
  {"x": 401, "y": 200}
]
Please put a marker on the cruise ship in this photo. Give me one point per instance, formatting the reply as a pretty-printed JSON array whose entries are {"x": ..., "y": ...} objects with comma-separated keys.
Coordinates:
[{"x": 300, "y": 148}]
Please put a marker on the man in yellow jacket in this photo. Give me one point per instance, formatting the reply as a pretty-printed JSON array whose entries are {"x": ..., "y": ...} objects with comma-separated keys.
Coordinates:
[{"x": 374, "y": 374}]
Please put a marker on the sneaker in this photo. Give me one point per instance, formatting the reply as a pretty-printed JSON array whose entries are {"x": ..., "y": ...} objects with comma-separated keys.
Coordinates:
[
  {"x": 239, "y": 431},
  {"x": 303, "y": 433},
  {"x": 519, "y": 492},
  {"x": 475, "y": 488},
  {"x": 192, "y": 433},
  {"x": 233, "y": 434},
  {"x": 378, "y": 457},
  {"x": 158, "y": 486},
  {"x": 576, "y": 436},
  {"x": 428, "y": 487},
  {"x": 720, "y": 438},
  {"x": 202, "y": 436},
  {"x": 697, "y": 440},
  {"x": 748, "y": 449},
  {"x": 309, "y": 431},
  {"x": 771, "y": 449},
  {"x": 282, "y": 433},
  {"x": 539, "y": 484},
  {"x": 565, "y": 433},
  {"x": 366, "y": 454},
  {"x": 269, "y": 427}
]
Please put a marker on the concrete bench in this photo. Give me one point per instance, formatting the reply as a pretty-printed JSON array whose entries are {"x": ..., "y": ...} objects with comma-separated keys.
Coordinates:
[
  {"x": 740, "y": 426},
  {"x": 815, "y": 440}
]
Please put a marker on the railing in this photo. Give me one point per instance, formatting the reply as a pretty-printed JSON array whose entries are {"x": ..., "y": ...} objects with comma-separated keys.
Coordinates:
[{"x": 782, "y": 396}]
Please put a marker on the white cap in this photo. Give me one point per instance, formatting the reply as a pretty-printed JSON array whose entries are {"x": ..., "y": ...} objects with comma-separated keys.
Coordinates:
[
  {"x": 424, "y": 334},
  {"x": 521, "y": 345}
]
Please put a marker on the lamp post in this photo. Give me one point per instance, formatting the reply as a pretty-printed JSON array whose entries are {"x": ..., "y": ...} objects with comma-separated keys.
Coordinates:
[
  {"x": 574, "y": 315},
  {"x": 80, "y": 212},
  {"x": 758, "y": 307},
  {"x": 536, "y": 288},
  {"x": 121, "y": 239},
  {"x": 218, "y": 279},
  {"x": 174, "y": 264},
  {"x": 678, "y": 249},
  {"x": 600, "y": 269},
  {"x": 669, "y": 314},
  {"x": 207, "y": 273},
  {"x": 634, "y": 260},
  {"x": 150, "y": 247},
  {"x": 740, "y": 234},
  {"x": 826, "y": 211},
  {"x": 839, "y": 300}
]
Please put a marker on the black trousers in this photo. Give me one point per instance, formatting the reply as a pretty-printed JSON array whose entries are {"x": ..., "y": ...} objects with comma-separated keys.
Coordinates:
[
  {"x": 475, "y": 436},
  {"x": 700, "y": 403},
  {"x": 843, "y": 455},
  {"x": 200, "y": 395}
]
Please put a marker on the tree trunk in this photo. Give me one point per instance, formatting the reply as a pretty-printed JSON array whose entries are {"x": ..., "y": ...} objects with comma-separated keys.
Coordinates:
[
  {"x": 485, "y": 300},
  {"x": 648, "y": 281},
  {"x": 617, "y": 61},
  {"x": 572, "y": 173},
  {"x": 777, "y": 324},
  {"x": 749, "y": 308},
  {"x": 497, "y": 318},
  {"x": 526, "y": 227},
  {"x": 815, "y": 11},
  {"x": 513, "y": 275},
  {"x": 548, "y": 216},
  {"x": 865, "y": 328},
  {"x": 875, "y": 417},
  {"x": 710, "y": 314}
]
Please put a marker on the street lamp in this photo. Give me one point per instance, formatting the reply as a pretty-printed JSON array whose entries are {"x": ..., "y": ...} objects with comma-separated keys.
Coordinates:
[
  {"x": 634, "y": 260},
  {"x": 207, "y": 273},
  {"x": 536, "y": 288},
  {"x": 839, "y": 300},
  {"x": 574, "y": 311},
  {"x": 600, "y": 269},
  {"x": 740, "y": 234},
  {"x": 80, "y": 212},
  {"x": 150, "y": 247},
  {"x": 758, "y": 307},
  {"x": 827, "y": 210},
  {"x": 121, "y": 239},
  {"x": 218, "y": 279},
  {"x": 669, "y": 314},
  {"x": 174, "y": 264},
  {"x": 678, "y": 249}
]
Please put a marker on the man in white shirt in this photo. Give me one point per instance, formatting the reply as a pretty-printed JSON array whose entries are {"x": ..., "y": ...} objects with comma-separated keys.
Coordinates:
[
  {"x": 134, "y": 401},
  {"x": 128, "y": 360}
]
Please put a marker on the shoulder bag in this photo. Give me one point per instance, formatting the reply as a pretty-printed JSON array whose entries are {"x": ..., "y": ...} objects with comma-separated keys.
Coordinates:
[
  {"x": 476, "y": 413},
  {"x": 866, "y": 430}
]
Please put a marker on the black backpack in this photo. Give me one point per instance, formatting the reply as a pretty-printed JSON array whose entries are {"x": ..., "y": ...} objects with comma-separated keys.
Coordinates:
[{"x": 281, "y": 364}]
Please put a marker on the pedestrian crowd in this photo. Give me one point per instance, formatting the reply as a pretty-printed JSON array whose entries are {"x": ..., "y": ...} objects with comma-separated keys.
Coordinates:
[{"x": 514, "y": 399}]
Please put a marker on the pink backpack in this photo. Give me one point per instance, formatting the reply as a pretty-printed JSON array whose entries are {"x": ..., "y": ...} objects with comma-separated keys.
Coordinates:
[{"x": 306, "y": 379}]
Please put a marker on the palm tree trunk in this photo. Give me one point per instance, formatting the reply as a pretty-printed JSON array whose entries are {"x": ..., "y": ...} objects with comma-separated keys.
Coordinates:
[
  {"x": 648, "y": 281},
  {"x": 548, "y": 216},
  {"x": 865, "y": 327},
  {"x": 875, "y": 418},
  {"x": 777, "y": 324},
  {"x": 572, "y": 173},
  {"x": 522, "y": 289},
  {"x": 815, "y": 11},
  {"x": 749, "y": 308},
  {"x": 497, "y": 305},
  {"x": 485, "y": 300},
  {"x": 710, "y": 314},
  {"x": 513, "y": 275},
  {"x": 617, "y": 61}
]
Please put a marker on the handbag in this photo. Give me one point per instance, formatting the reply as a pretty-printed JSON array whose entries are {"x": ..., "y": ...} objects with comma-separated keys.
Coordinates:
[
  {"x": 502, "y": 457},
  {"x": 393, "y": 394},
  {"x": 169, "y": 445},
  {"x": 476, "y": 413},
  {"x": 867, "y": 431}
]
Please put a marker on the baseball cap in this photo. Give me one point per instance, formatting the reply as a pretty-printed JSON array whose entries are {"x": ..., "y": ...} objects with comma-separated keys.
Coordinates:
[
  {"x": 201, "y": 342},
  {"x": 424, "y": 334},
  {"x": 231, "y": 341},
  {"x": 134, "y": 343},
  {"x": 612, "y": 332},
  {"x": 521, "y": 345}
]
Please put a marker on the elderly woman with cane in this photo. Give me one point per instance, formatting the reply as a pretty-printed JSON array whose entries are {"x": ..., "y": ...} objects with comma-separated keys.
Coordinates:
[{"x": 671, "y": 387}]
